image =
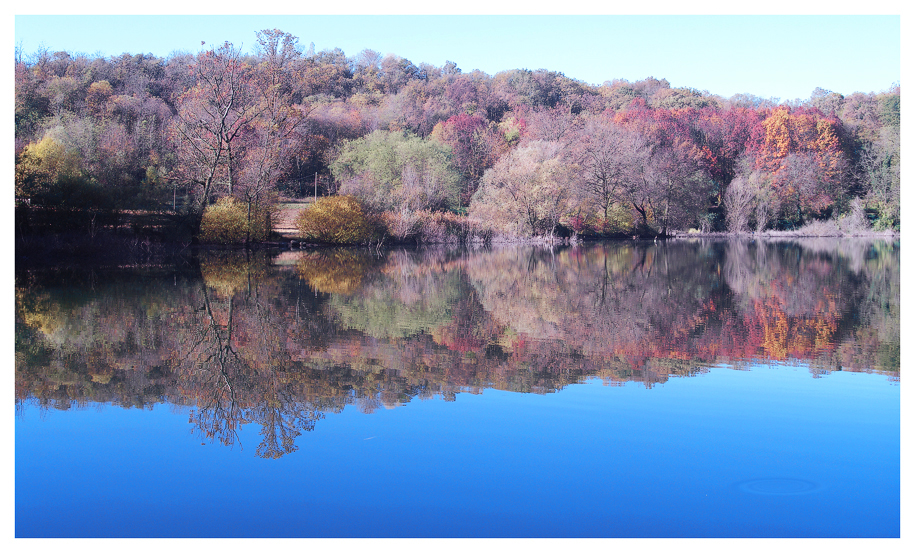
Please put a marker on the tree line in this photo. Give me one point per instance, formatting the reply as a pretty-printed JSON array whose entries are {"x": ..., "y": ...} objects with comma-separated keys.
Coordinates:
[{"x": 518, "y": 153}]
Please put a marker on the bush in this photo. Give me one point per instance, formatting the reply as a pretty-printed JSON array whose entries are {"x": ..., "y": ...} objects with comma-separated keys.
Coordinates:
[
  {"x": 855, "y": 221},
  {"x": 227, "y": 222},
  {"x": 338, "y": 220},
  {"x": 402, "y": 226},
  {"x": 448, "y": 228},
  {"x": 434, "y": 227}
]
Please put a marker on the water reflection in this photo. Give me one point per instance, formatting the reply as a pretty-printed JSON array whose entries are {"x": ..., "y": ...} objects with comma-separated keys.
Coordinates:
[{"x": 281, "y": 341}]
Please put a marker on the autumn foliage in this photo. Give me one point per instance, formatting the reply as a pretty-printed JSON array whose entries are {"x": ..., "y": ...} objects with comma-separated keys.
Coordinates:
[
  {"x": 179, "y": 133},
  {"x": 229, "y": 221},
  {"x": 338, "y": 220}
]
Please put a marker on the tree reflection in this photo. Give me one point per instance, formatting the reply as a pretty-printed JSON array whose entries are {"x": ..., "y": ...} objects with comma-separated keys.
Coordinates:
[{"x": 241, "y": 340}]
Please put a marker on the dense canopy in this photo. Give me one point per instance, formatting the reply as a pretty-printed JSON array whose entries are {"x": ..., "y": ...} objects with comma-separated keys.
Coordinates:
[{"x": 532, "y": 151}]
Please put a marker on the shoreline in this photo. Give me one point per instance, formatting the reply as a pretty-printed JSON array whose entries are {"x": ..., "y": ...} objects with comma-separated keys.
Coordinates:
[{"x": 73, "y": 250}]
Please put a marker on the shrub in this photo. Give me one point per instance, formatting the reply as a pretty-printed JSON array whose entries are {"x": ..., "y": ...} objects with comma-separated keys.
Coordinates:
[
  {"x": 261, "y": 221},
  {"x": 227, "y": 222},
  {"x": 855, "y": 221},
  {"x": 338, "y": 220},
  {"x": 434, "y": 227},
  {"x": 447, "y": 228},
  {"x": 402, "y": 226}
]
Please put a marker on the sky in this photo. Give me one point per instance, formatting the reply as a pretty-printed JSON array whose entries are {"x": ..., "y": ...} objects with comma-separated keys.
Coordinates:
[{"x": 781, "y": 57}]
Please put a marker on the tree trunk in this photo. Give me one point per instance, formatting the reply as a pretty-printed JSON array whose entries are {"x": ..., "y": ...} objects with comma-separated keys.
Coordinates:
[{"x": 643, "y": 213}]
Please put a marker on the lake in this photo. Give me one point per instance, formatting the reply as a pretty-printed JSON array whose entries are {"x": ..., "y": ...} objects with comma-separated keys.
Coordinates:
[{"x": 730, "y": 388}]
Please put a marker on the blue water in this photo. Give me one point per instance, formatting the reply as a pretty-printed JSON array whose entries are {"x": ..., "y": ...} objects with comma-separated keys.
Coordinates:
[{"x": 765, "y": 452}]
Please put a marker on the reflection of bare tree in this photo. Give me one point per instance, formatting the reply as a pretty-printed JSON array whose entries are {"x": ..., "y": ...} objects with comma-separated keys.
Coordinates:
[
  {"x": 234, "y": 362},
  {"x": 218, "y": 373},
  {"x": 609, "y": 300},
  {"x": 283, "y": 417},
  {"x": 801, "y": 279}
]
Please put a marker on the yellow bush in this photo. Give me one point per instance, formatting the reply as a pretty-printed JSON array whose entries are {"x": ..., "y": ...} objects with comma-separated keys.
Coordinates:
[
  {"x": 338, "y": 220},
  {"x": 42, "y": 164},
  {"x": 226, "y": 222}
]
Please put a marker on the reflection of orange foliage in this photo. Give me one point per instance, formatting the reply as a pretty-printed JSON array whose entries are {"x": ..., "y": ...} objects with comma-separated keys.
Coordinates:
[
  {"x": 712, "y": 333},
  {"x": 457, "y": 339},
  {"x": 781, "y": 336}
]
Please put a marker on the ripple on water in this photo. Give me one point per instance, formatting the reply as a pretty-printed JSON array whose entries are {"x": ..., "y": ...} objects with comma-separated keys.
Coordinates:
[{"x": 778, "y": 486}]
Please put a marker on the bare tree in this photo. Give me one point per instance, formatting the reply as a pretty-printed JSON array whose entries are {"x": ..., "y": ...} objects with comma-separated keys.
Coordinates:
[
  {"x": 527, "y": 191},
  {"x": 610, "y": 158},
  {"x": 210, "y": 118},
  {"x": 739, "y": 203},
  {"x": 680, "y": 192},
  {"x": 271, "y": 138}
]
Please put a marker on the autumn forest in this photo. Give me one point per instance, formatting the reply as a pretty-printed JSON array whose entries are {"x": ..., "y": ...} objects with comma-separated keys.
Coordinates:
[
  {"x": 269, "y": 291},
  {"x": 205, "y": 147}
]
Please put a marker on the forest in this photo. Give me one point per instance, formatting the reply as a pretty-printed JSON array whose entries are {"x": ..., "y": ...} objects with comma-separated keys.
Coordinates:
[{"x": 205, "y": 145}]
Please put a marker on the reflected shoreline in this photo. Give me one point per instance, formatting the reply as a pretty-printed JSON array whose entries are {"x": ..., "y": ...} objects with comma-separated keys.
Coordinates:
[{"x": 282, "y": 339}]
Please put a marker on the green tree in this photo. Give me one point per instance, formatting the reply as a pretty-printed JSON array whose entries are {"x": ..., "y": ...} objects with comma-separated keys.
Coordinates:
[
  {"x": 393, "y": 171},
  {"x": 878, "y": 167}
]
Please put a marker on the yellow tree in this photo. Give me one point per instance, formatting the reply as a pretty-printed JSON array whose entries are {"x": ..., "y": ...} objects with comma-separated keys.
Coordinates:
[{"x": 42, "y": 164}]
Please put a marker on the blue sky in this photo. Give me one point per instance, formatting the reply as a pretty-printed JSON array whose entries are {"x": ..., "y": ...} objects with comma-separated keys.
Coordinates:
[{"x": 782, "y": 57}]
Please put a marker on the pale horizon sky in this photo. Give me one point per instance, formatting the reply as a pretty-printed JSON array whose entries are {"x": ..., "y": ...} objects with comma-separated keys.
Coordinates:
[{"x": 782, "y": 57}]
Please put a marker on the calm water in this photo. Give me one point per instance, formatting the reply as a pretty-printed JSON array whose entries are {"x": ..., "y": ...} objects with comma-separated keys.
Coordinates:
[{"x": 707, "y": 389}]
